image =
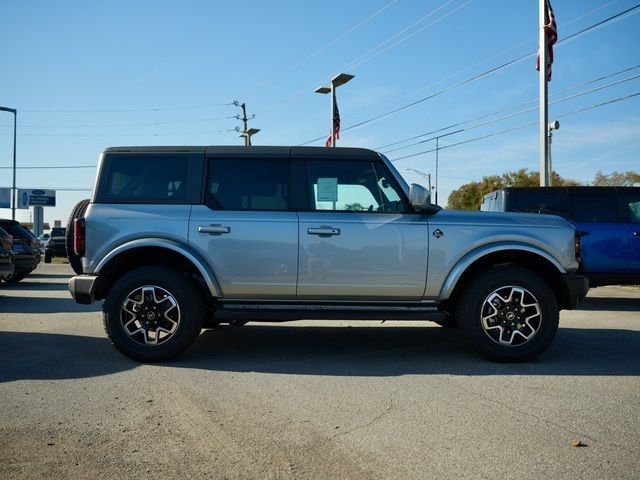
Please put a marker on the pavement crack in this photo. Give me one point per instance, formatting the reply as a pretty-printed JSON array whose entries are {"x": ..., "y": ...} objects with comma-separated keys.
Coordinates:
[
  {"x": 383, "y": 413},
  {"x": 540, "y": 418}
]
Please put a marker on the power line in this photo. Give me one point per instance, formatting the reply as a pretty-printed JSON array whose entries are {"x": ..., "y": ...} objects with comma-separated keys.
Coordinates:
[
  {"x": 482, "y": 74},
  {"x": 112, "y": 125},
  {"x": 520, "y": 127},
  {"x": 307, "y": 90},
  {"x": 475, "y": 139},
  {"x": 568, "y": 89},
  {"x": 45, "y": 167},
  {"x": 340, "y": 37},
  {"x": 154, "y": 109},
  {"x": 365, "y": 57},
  {"x": 482, "y": 62},
  {"x": 107, "y": 135},
  {"x": 482, "y": 124}
]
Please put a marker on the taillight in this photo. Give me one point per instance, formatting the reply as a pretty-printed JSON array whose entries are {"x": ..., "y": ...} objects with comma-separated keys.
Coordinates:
[
  {"x": 578, "y": 245},
  {"x": 78, "y": 236}
]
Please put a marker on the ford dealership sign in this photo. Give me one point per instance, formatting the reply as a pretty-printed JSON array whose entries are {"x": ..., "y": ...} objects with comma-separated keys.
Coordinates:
[{"x": 36, "y": 197}]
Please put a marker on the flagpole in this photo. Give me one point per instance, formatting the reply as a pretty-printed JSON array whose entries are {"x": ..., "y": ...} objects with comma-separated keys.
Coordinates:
[
  {"x": 333, "y": 113},
  {"x": 544, "y": 116}
]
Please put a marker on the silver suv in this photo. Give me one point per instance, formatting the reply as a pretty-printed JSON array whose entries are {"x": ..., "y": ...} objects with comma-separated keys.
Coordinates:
[{"x": 183, "y": 238}]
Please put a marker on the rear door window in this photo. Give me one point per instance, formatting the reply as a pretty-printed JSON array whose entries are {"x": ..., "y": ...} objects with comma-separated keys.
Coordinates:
[
  {"x": 157, "y": 178},
  {"x": 631, "y": 207},
  {"x": 248, "y": 184},
  {"x": 551, "y": 202},
  {"x": 594, "y": 208}
]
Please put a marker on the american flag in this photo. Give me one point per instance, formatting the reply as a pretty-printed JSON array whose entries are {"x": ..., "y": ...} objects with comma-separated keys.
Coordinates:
[
  {"x": 551, "y": 28},
  {"x": 336, "y": 124}
]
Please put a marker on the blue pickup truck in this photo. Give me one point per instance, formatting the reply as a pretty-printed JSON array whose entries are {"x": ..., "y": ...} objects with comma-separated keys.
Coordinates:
[{"x": 607, "y": 218}]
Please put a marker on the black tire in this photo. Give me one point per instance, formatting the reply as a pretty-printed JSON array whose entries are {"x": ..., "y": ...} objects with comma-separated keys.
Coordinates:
[
  {"x": 450, "y": 322},
  {"x": 16, "y": 277},
  {"x": 76, "y": 212},
  {"x": 508, "y": 314},
  {"x": 182, "y": 317},
  {"x": 47, "y": 257}
]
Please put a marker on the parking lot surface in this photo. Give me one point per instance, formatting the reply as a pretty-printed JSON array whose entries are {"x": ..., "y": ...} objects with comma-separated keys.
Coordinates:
[{"x": 314, "y": 399}]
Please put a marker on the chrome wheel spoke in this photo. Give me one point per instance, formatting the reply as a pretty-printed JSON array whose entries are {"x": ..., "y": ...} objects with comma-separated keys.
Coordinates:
[
  {"x": 150, "y": 315},
  {"x": 511, "y": 316}
]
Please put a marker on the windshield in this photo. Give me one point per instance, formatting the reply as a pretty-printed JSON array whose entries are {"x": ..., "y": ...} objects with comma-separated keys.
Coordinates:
[{"x": 58, "y": 232}]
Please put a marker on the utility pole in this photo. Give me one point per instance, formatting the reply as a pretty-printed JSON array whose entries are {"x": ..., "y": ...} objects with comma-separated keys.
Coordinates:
[
  {"x": 247, "y": 132},
  {"x": 14, "y": 191}
]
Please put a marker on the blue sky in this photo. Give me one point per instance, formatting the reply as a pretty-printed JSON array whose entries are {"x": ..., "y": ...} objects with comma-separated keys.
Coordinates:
[{"x": 88, "y": 75}]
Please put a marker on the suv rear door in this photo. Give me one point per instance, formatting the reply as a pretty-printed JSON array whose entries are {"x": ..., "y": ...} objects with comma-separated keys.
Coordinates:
[
  {"x": 359, "y": 239},
  {"x": 605, "y": 241},
  {"x": 245, "y": 228},
  {"x": 631, "y": 216}
]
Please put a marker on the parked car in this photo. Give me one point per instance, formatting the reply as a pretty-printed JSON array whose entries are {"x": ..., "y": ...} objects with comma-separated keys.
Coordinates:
[
  {"x": 607, "y": 218},
  {"x": 175, "y": 239},
  {"x": 43, "y": 241},
  {"x": 6, "y": 255},
  {"x": 56, "y": 246},
  {"x": 26, "y": 252}
]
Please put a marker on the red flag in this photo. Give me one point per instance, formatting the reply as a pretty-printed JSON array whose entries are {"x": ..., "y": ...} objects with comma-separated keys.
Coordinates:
[
  {"x": 551, "y": 28},
  {"x": 336, "y": 124}
]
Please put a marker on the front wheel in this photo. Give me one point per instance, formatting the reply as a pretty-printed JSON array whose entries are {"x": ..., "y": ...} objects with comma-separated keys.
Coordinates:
[
  {"x": 153, "y": 313},
  {"x": 508, "y": 314}
]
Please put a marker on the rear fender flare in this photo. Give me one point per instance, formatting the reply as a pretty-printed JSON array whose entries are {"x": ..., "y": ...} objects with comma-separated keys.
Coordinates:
[{"x": 206, "y": 272}]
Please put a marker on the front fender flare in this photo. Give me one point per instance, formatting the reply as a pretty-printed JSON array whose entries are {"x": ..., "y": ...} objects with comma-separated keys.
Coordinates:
[
  {"x": 471, "y": 257},
  {"x": 206, "y": 272}
]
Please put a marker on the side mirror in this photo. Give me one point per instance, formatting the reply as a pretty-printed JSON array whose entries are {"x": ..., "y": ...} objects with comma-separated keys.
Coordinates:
[{"x": 419, "y": 197}]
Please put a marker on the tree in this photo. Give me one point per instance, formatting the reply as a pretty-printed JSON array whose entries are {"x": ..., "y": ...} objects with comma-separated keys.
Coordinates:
[
  {"x": 617, "y": 179},
  {"x": 469, "y": 196}
]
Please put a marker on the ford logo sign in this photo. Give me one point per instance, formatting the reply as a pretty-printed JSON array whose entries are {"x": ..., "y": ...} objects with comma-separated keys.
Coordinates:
[{"x": 38, "y": 192}]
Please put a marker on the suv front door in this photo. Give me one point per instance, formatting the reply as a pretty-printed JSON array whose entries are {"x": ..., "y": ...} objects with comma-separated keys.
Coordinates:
[
  {"x": 245, "y": 229},
  {"x": 359, "y": 239}
]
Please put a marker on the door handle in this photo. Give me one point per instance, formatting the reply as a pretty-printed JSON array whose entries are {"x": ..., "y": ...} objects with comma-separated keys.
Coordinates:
[
  {"x": 214, "y": 229},
  {"x": 324, "y": 231}
]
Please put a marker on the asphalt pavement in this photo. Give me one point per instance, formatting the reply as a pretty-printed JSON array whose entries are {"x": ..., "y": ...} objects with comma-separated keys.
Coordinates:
[{"x": 314, "y": 399}]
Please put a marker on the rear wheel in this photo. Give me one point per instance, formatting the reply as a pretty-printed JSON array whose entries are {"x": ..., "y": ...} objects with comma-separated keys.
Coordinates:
[
  {"x": 153, "y": 313},
  {"x": 77, "y": 212},
  {"x": 508, "y": 314},
  {"x": 47, "y": 257}
]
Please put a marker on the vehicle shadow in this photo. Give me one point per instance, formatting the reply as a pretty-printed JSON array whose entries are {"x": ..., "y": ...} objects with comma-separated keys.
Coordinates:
[
  {"x": 49, "y": 356},
  {"x": 11, "y": 304},
  {"x": 392, "y": 351},
  {"x": 35, "y": 286},
  {"x": 50, "y": 275},
  {"x": 610, "y": 304},
  {"x": 379, "y": 351}
]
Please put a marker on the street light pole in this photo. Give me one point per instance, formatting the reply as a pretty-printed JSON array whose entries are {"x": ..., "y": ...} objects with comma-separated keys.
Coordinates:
[
  {"x": 425, "y": 175},
  {"x": 336, "y": 81},
  {"x": 13, "y": 191}
]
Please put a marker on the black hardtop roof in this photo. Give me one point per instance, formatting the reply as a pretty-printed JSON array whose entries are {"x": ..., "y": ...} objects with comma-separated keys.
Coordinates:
[{"x": 237, "y": 150}]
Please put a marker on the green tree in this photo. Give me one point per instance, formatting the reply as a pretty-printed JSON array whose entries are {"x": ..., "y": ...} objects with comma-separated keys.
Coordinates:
[
  {"x": 469, "y": 196},
  {"x": 617, "y": 179}
]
